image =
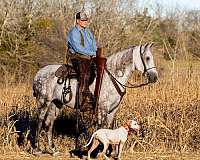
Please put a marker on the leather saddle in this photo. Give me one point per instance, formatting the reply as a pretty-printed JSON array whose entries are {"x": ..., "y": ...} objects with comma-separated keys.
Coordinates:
[{"x": 65, "y": 71}]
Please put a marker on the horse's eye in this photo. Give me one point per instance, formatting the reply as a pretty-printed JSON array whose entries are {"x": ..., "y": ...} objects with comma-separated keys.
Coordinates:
[{"x": 147, "y": 58}]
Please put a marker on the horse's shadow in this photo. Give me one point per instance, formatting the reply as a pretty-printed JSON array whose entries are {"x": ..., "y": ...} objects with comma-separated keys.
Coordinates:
[
  {"x": 25, "y": 125},
  {"x": 25, "y": 122}
]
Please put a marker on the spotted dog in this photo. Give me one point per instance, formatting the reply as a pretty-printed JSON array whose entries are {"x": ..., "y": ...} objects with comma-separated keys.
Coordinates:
[{"x": 108, "y": 136}]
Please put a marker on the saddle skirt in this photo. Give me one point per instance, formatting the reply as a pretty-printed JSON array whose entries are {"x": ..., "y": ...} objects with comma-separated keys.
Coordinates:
[{"x": 65, "y": 70}]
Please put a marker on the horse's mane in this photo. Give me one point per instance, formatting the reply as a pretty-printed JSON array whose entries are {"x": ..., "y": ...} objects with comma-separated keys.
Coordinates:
[
  {"x": 121, "y": 50},
  {"x": 121, "y": 58}
]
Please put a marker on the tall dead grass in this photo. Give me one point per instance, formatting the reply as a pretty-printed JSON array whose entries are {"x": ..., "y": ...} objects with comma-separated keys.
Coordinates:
[{"x": 168, "y": 112}]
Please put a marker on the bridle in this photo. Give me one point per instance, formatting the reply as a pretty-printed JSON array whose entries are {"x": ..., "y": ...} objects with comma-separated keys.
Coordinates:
[
  {"x": 117, "y": 83},
  {"x": 144, "y": 72},
  {"x": 142, "y": 59}
]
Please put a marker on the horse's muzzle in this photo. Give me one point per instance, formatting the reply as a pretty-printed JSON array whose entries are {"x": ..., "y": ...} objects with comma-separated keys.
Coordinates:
[{"x": 152, "y": 76}]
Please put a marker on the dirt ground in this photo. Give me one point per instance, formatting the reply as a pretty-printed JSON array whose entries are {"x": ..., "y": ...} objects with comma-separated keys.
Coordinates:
[{"x": 125, "y": 156}]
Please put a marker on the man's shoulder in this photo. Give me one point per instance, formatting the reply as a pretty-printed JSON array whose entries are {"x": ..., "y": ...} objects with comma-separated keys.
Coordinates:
[{"x": 73, "y": 30}]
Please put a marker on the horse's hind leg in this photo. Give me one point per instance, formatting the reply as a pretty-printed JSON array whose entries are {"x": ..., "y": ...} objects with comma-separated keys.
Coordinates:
[
  {"x": 52, "y": 114},
  {"x": 42, "y": 110}
]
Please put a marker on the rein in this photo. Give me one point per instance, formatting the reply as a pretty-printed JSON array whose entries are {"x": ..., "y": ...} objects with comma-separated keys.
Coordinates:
[
  {"x": 123, "y": 85},
  {"x": 121, "y": 93},
  {"x": 117, "y": 83}
]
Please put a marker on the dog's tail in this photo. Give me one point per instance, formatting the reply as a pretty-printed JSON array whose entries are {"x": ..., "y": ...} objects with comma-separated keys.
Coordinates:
[{"x": 90, "y": 139}]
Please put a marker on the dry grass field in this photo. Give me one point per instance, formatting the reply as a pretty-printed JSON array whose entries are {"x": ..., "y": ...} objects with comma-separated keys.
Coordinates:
[{"x": 168, "y": 111}]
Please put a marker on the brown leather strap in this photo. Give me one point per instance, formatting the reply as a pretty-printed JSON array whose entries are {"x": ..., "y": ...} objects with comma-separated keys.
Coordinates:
[
  {"x": 79, "y": 56},
  {"x": 116, "y": 85}
]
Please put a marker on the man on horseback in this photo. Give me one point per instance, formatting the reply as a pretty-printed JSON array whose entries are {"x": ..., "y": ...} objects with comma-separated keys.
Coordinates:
[{"x": 81, "y": 53}]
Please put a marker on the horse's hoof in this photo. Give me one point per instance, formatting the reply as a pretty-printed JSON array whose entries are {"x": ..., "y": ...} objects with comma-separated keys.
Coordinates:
[
  {"x": 37, "y": 152},
  {"x": 72, "y": 155},
  {"x": 56, "y": 153},
  {"x": 105, "y": 157},
  {"x": 52, "y": 151},
  {"x": 76, "y": 152}
]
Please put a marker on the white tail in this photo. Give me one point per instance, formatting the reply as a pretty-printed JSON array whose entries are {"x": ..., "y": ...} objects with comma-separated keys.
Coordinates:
[{"x": 90, "y": 139}]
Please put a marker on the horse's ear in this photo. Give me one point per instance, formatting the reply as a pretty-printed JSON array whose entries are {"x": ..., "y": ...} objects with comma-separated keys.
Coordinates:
[
  {"x": 146, "y": 45},
  {"x": 151, "y": 44}
]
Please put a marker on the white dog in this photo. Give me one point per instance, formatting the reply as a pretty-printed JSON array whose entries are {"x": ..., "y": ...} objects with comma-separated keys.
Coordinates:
[{"x": 107, "y": 136}]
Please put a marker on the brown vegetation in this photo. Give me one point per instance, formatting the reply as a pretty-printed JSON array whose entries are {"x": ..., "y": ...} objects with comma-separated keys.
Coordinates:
[
  {"x": 33, "y": 33},
  {"x": 168, "y": 111}
]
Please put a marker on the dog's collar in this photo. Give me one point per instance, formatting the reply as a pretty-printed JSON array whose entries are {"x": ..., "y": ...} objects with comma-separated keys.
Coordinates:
[{"x": 127, "y": 128}]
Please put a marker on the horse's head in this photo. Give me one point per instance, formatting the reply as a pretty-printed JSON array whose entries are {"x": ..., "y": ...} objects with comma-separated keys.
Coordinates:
[{"x": 144, "y": 62}]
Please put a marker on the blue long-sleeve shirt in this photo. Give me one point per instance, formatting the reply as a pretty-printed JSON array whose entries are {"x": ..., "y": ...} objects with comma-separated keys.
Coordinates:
[{"x": 76, "y": 36}]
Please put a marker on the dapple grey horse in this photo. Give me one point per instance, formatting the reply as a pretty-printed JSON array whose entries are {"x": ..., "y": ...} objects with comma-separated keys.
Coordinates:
[{"x": 119, "y": 67}]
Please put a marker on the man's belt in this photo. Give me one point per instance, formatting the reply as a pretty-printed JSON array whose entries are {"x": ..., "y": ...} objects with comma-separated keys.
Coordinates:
[{"x": 79, "y": 56}]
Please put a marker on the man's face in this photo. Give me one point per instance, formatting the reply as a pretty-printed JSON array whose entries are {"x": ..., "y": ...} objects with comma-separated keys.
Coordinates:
[{"x": 82, "y": 23}]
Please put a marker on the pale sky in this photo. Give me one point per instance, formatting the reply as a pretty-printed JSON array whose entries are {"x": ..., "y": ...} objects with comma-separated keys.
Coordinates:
[
  {"x": 190, "y": 4},
  {"x": 183, "y": 4}
]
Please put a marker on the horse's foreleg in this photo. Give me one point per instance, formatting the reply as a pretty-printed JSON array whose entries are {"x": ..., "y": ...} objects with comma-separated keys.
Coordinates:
[
  {"x": 111, "y": 120},
  {"x": 102, "y": 118},
  {"x": 42, "y": 110},
  {"x": 51, "y": 116}
]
